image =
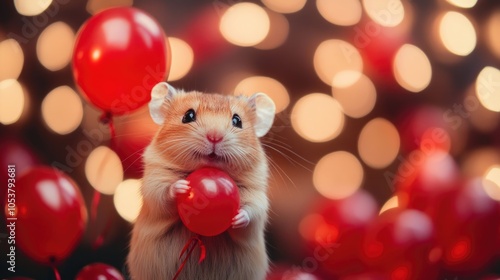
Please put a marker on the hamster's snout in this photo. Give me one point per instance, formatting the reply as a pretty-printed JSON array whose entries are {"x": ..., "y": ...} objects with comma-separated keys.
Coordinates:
[{"x": 214, "y": 136}]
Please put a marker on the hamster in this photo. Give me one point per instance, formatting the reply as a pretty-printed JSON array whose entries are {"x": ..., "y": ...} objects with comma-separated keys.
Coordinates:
[{"x": 197, "y": 130}]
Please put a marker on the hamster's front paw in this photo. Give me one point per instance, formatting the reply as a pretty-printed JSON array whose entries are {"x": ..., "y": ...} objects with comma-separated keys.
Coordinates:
[
  {"x": 241, "y": 220},
  {"x": 180, "y": 186}
]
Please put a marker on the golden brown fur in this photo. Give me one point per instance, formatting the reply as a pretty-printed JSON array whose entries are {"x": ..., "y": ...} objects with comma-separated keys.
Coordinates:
[{"x": 158, "y": 235}]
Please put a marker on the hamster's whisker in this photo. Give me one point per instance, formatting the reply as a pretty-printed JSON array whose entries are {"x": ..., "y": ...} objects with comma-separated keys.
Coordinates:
[
  {"x": 135, "y": 160},
  {"x": 287, "y": 157},
  {"x": 270, "y": 140},
  {"x": 278, "y": 169}
]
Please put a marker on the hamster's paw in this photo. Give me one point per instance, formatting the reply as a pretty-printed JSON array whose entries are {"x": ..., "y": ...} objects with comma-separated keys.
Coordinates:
[
  {"x": 180, "y": 186},
  {"x": 241, "y": 220}
]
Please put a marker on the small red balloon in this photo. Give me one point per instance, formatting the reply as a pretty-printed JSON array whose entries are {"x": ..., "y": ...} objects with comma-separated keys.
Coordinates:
[
  {"x": 51, "y": 214},
  {"x": 14, "y": 152},
  {"x": 209, "y": 207},
  {"x": 99, "y": 271},
  {"x": 426, "y": 128},
  {"x": 119, "y": 55}
]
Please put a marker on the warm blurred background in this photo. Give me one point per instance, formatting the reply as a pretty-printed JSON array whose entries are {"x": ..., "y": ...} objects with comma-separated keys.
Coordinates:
[{"x": 380, "y": 103}]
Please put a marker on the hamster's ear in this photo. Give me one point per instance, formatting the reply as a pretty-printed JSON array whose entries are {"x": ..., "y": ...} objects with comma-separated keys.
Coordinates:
[
  {"x": 264, "y": 110},
  {"x": 160, "y": 93}
]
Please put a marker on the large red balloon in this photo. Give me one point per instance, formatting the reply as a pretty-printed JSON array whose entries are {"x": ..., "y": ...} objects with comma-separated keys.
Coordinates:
[
  {"x": 339, "y": 234},
  {"x": 209, "y": 207},
  {"x": 291, "y": 272},
  {"x": 51, "y": 214},
  {"x": 467, "y": 224},
  {"x": 99, "y": 271},
  {"x": 401, "y": 243},
  {"x": 424, "y": 179},
  {"x": 119, "y": 55}
]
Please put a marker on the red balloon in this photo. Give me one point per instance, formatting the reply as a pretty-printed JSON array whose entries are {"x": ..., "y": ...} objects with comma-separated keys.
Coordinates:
[
  {"x": 291, "y": 272},
  {"x": 99, "y": 271},
  {"x": 367, "y": 276},
  {"x": 424, "y": 179},
  {"x": 51, "y": 214},
  {"x": 378, "y": 46},
  {"x": 339, "y": 234},
  {"x": 209, "y": 207},
  {"x": 119, "y": 55},
  {"x": 15, "y": 152},
  {"x": 491, "y": 277},
  {"x": 426, "y": 128},
  {"x": 203, "y": 35},
  {"x": 467, "y": 224},
  {"x": 401, "y": 243}
]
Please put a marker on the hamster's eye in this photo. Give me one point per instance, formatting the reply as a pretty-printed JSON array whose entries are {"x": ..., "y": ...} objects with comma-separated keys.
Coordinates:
[
  {"x": 189, "y": 116},
  {"x": 236, "y": 121}
]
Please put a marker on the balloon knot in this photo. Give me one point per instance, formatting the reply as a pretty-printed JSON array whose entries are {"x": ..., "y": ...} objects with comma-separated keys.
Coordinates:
[{"x": 106, "y": 117}]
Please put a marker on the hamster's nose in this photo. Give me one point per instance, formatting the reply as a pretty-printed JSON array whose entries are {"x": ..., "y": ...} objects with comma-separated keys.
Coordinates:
[{"x": 214, "y": 136}]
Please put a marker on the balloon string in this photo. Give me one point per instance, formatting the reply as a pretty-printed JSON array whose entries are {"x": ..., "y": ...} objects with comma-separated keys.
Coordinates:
[
  {"x": 56, "y": 272},
  {"x": 100, "y": 238},
  {"x": 106, "y": 118},
  {"x": 95, "y": 204},
  {"x": 188, "y": 249}
]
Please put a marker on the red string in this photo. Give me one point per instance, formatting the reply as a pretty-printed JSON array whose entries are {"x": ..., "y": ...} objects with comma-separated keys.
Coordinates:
[
  {"x": 188, "y": 249},
  {"x": 56, "y": 272},
  {"x": 95, "y": 203},
  {"x": 106, "y": 118}
]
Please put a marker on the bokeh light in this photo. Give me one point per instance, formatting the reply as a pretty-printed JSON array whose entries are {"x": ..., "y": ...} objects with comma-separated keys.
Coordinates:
[
  {"x": 128, "y": 199},
  {"x": 273, "y": 88},
  {"x": 309, "y": 225},
  {"x": 457, "y": 33},
  {"x": 463, "y": 3},
  {"x": 11, "y": 101},
  {"x": 491, "y": 183},
  {"x": 412, "y": 68},
  {"x": 278, "y": 31},
  {"x": 245, "y": 24},
  {"x": 488, "y": 89},
  {"x": 334, "y": 57},
  {"x": 387, "y": 13},
  {"x": 358, "y": 99},
  {"x": 12, "y": 59},
  {"x": 338, "y": 175},
  {"x": 491, "y": 33},
  {"x": 31, "y": 7},
  {"x": 181, "y": 59},
  {"x": 55, "y": 46},
  {"x": 62, "y": 110},
  {"x": 95, "y": 6},
  {"x": 317, "y": 117},
  {"x": 285, "y": 6},
  {"x": 481, "y": 118},
  {"x": 392, "y": 202},
  {"x": 477, "y": 162},
  {"x": 378, "y": 143},
  {"x": 340, "y": 12},
  {"x": 104, "y": 170}
]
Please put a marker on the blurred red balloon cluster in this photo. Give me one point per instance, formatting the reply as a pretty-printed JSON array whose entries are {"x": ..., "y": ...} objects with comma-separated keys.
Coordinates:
[{"x": 442, "y": 226}]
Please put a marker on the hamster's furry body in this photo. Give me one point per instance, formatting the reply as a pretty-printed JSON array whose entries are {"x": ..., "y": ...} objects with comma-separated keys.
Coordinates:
[{"x": 212, "y": 136}]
